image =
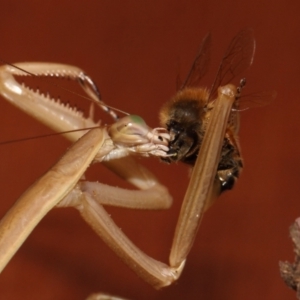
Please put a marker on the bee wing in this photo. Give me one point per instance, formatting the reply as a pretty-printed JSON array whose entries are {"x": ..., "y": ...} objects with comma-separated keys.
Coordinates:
[
  {"x": 237, "y": 58},
  {"x": 257, "y": 99},
  {"x": 200, "y": 64}
]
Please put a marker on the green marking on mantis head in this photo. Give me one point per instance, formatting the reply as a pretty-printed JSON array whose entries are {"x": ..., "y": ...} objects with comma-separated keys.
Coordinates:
[{"x": 137, "y": 119}]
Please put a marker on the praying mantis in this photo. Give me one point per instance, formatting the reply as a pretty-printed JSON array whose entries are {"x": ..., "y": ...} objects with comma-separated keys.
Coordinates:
[{"x": 113, "y": 145}]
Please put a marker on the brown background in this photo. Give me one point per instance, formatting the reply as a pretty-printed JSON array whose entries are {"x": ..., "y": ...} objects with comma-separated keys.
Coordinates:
[{"x": 133, "y": 50}]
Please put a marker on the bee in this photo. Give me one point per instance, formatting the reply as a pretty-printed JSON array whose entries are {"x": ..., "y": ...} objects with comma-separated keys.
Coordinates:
[{"x": 186, "y": 115}]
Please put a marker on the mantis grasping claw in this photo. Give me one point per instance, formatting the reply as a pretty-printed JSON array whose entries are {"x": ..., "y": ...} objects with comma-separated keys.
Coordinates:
[{"x": 112, "y": 145}]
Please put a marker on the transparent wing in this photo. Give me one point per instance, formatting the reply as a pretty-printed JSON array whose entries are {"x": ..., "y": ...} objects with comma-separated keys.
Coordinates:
[
  {"x": 257, "y": 99},
  {"x": 200, "y": 65},
  {"x": 237, "y": 58}
]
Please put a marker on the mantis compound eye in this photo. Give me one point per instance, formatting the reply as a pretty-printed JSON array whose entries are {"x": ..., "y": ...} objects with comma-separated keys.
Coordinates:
[{"x": 130, "y": 130}]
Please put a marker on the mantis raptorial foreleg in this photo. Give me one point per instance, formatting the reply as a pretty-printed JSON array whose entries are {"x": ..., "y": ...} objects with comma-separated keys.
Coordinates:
[
  {"x": 112, "y": 146},
  {"x": 45, "y": 193}
]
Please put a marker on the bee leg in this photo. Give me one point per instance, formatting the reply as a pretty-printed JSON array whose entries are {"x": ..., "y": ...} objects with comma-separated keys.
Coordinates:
[
  {"x": 226, "y": 179},
  {"x": 230, "y": 166}
]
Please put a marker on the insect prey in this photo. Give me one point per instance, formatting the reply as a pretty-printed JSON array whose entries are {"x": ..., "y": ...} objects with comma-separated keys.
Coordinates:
[{"x": 186, "y": 115}]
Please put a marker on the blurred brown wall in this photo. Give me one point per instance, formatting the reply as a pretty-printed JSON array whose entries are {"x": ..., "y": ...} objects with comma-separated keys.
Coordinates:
[{"x": 134, "y": 50}]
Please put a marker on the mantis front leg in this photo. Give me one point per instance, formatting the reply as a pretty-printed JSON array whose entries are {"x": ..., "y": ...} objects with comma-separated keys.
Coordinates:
[
  {"x": 46, "y": 192},
  {"x": 87, "y": 198},
  {"x": 66, "y": 170}
]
